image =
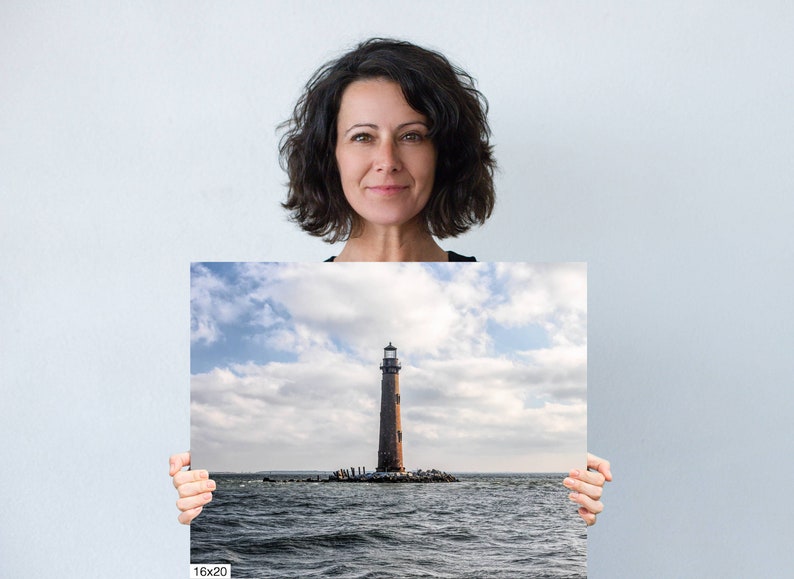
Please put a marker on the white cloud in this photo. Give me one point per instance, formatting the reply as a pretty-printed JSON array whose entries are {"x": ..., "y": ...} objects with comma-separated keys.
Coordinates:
[
  {"x": 368, "y": 304},
  {"x": 212, "y": 303},
  {"x": 552, "y": 295}
]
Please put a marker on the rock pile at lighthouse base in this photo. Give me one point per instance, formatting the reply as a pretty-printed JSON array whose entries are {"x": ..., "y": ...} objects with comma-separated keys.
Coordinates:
[
  {"x": 345, "y": 476},
  {"x": 418, "y": 476}
]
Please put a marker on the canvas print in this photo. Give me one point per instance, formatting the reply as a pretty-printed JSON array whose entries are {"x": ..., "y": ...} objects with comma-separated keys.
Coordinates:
[{"x": 389, "y": 419}]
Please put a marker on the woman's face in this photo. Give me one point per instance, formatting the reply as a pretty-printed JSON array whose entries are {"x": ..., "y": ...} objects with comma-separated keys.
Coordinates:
[{"x": 385, "y": 159}]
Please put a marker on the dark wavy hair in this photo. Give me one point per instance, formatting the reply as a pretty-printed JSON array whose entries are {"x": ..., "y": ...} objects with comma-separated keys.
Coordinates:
[{"x": 463, "y": 191}]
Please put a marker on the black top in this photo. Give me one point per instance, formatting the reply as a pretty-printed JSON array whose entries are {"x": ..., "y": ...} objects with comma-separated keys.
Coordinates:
[{"x": 452, "y": 257}]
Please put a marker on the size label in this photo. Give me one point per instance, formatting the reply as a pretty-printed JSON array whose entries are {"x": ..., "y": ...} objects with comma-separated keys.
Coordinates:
[{"x": 208, "y": 570}]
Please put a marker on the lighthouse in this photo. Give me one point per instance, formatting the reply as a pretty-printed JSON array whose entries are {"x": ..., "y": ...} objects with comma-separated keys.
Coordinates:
[{"x": 390, "y": 447}]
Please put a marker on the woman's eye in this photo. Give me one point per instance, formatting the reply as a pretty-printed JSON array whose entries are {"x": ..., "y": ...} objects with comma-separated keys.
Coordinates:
[
  {"x": 361, "y": 138},
  {"x": 412, "y": 137}
]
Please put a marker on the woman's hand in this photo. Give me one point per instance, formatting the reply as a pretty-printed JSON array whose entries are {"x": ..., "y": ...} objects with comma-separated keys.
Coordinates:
[
  {"x": 587, "y": 487},
  {"x": 193, "y": 486}
]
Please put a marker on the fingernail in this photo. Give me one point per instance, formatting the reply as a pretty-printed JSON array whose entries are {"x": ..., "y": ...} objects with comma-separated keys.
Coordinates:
[
  {"x": 204, "y": 474},
  {"x": 211, "y": 485},
  {"x": 574, "y": 472},
  {"x": 207, "y": 496},
  {"x": 173, "y": 466},
  {"x": 568, "y": 482},
  {"x": 573, "y": 496}
]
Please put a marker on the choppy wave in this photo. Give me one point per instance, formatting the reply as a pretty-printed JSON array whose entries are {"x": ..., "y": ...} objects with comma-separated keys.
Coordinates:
[{"x": 486, "y": 525}]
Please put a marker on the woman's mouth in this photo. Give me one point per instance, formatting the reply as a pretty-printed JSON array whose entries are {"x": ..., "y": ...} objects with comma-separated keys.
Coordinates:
[{"x": 387, "y": 190}]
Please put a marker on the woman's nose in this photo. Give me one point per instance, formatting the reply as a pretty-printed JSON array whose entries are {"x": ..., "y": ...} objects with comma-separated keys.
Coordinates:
[{"x": 388, "y": 158}]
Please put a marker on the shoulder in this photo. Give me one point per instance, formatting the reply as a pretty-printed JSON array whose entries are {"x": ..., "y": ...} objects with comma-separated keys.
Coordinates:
[{"x": 458, "y": 257}]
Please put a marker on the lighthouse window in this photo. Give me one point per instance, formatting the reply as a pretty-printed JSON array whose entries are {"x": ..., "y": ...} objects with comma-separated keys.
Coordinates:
[
  {"x": 399, "y": 436},
  {"x": 397, "y": 398}
]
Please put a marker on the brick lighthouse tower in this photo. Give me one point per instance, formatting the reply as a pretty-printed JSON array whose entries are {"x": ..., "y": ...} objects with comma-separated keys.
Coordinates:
[{"x": 390, "y": 447}]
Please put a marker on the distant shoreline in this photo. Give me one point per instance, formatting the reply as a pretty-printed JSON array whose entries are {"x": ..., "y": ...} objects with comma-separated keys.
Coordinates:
[{"x": 330, "y": 472}]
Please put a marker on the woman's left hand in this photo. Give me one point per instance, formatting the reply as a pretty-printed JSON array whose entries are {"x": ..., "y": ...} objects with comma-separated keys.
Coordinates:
[{"x": 587, "y": 487}]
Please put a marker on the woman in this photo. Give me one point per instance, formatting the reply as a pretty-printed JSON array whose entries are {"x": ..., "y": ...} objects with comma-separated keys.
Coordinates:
[{"x": 388, "y": 149}]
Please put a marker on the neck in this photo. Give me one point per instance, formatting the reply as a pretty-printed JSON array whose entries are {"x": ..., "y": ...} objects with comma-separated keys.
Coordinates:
[{"x": 392, "y": 245}]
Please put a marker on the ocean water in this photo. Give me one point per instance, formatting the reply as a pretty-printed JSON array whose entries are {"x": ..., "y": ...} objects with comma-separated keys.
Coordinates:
[{"x": 486, "y": 525}]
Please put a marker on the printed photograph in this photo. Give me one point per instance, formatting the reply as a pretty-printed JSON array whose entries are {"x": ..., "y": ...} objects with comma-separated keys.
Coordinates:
[{"x": 389, "y": 419}]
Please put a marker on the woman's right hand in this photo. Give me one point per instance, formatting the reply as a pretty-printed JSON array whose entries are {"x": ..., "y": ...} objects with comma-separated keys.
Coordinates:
[{"x": 194, "y": 487}]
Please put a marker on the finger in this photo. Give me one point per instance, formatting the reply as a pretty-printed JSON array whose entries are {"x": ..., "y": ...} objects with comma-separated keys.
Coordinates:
[
  {"x": 583, "y": 500},
  {"x": 178, "y": 461},
  {"x": 592, "y": 491},
  {"x": 187, "y": 476},
  {"x": 587, "y": 516},
  {"x": 186, "y": 517},
  {"x": 188, "y": 503},
  {"x": 600, "y": 465},
  {"x": 588, "y": 476},
  {"x": 195, "y": 488}
]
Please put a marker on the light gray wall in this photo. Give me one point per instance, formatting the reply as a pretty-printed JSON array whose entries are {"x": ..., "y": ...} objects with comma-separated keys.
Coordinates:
[{"x": 653, "y": 140}]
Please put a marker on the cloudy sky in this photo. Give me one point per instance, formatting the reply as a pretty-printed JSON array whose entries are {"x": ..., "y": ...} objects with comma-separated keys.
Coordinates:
[{"x": 284, "y": 364}]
